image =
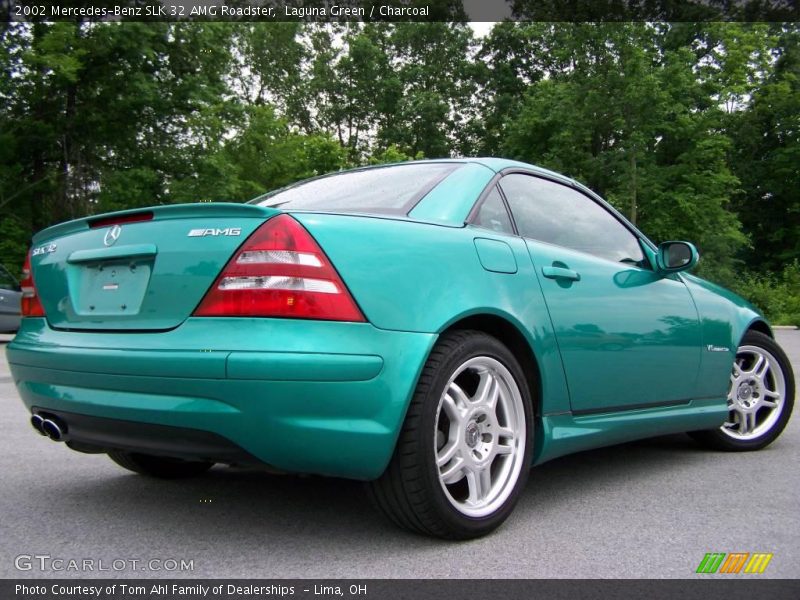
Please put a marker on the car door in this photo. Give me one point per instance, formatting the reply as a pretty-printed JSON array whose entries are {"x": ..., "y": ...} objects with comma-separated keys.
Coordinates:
[
  {"x": 9, "y": 301},
  {"x": 629, "y": 337}
]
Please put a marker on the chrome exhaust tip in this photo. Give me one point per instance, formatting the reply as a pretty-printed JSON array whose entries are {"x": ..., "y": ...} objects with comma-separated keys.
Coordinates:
[
  {"x": 36, "y": 422},
  {"x": 53, "y": 430}
]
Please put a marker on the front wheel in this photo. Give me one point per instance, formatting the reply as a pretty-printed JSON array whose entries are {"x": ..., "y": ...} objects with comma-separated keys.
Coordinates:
[
  {"x": 760, "y": 397},
  {"x": 464, "y": 452}
]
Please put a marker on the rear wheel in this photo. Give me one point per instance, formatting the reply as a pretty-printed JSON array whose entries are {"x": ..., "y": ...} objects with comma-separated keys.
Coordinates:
[
  {"x": 464, "y": 452},
  {"x": 158, "y": 466},
  {"x": 760, "y": 397}
]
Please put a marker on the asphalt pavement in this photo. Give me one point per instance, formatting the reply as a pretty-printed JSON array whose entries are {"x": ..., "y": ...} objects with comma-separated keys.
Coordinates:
[{"x": 648, "y": 509}]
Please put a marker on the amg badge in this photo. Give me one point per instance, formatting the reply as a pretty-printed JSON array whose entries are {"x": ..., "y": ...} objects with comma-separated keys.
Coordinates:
[{"x": 215, "y": 232}]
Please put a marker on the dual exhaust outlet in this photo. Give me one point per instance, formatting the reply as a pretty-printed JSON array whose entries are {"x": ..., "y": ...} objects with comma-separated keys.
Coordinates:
[{"x": 50, "y": 426}]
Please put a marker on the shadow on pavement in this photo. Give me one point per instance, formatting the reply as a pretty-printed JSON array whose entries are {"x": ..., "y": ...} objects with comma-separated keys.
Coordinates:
[{"x": 249, "y": 505}]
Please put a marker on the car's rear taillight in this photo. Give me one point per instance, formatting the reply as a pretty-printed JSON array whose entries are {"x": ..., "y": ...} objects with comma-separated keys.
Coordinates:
[
  {"x": 30, "y": 304},
  {"x": 280, "y": 271}
]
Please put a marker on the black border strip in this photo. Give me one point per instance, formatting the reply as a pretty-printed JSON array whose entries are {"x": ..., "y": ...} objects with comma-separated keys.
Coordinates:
[
  {"x": 701, "y": 587},
  {"x": 575, "y": 11}
]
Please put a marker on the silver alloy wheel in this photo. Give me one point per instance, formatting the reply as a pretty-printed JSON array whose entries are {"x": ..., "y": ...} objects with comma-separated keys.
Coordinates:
[
  {"x": 756, "y": 395},
  {"x": 480, "y": 436}
]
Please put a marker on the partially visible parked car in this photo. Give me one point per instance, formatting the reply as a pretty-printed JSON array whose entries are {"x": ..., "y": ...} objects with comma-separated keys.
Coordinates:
[{"x": 10, "y": 295}]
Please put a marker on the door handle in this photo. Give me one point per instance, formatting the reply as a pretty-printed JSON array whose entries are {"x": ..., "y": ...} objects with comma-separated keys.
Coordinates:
[{"x": 561, "y": 273}]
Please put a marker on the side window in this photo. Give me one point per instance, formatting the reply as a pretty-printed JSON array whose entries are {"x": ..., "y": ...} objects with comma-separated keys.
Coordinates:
[
  {"x": 493, "y": 214},
  {"x": 556, "y": 214}
]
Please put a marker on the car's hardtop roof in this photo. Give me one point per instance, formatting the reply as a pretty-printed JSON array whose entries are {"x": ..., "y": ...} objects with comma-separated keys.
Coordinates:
[
  {"x": 501, "y": 164},
  {"x": 495, "y": 164},
  {"x": 477, "y": 172}
]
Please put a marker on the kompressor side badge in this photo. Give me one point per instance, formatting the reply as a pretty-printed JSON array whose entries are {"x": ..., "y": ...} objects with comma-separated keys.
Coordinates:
[
  {"x": 712, "y": 348},
  {"x": 215, "y": 232}
]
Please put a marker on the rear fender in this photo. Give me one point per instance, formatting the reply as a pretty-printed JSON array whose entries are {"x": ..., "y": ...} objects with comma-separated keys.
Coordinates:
[{"x": 420, "y": 277}]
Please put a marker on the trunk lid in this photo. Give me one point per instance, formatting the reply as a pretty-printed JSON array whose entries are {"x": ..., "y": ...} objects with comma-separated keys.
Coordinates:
[{"x": 117, "y": 272}]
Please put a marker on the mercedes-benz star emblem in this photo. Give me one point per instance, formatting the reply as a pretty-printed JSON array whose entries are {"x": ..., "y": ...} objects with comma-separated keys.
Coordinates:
[{"x": 112, "y": 235}]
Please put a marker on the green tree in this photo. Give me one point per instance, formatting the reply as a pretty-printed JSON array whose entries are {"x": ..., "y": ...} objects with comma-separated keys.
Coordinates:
[
  {"x": 430, "y": 103},
  {"x": 634, "y": 123},
  {"x": 509, "y": 60},
  {"x": 265, "y": 154},
  {"x": 689, "y": 128},
  {"x": 766, "y": 159}
]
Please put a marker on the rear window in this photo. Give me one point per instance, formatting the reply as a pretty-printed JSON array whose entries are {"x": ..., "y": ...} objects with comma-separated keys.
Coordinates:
[{"x": 394, "y": 189}]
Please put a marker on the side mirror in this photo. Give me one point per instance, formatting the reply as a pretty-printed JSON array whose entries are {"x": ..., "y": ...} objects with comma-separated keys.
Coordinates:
[{"x": 676, "y": 256}]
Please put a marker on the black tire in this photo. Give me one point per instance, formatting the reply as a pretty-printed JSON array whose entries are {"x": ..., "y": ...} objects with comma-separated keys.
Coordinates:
[
  {"x": 161, "y": 467},
  {"x": 409, "y": 492},
  {"x": 717, "y": 439}
]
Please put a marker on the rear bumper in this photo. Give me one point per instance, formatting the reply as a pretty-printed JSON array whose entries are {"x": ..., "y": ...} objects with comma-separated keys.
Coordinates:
[{"x": 303, "y": 396}]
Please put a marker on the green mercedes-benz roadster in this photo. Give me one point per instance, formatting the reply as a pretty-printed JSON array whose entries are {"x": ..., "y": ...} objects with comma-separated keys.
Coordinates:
[{"x": 434, "y": 328}]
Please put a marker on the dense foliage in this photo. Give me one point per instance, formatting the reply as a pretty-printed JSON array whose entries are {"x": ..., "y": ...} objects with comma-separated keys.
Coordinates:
[{"x": 691, "y": 130}]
